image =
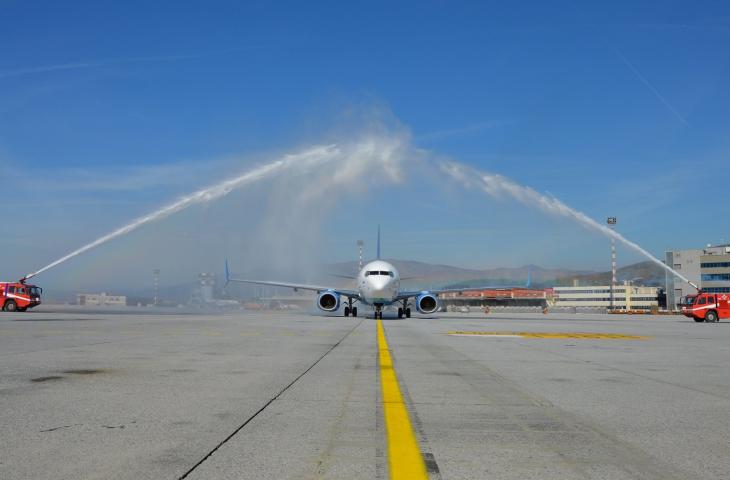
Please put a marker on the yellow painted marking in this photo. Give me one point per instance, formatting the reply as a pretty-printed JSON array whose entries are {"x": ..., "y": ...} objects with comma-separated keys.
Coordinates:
[
  {"x": 561, "y": 335},
  {"x": 404, "y": 455}
]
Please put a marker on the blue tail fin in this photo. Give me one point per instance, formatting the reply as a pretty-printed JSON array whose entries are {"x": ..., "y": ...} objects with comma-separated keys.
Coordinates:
[
  {"x": 228, "y": 274},
  {"x": 529, "y": 279},
  {"x": 378, "y": 242}
]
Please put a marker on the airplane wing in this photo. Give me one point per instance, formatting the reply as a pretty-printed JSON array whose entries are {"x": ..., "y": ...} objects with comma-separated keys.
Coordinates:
[
  {"x": 405, "y": 295},
  {"x": 298, "y": 286},
  {"x": 438, "y": 291},
  {"x": 295, "y": 286}
]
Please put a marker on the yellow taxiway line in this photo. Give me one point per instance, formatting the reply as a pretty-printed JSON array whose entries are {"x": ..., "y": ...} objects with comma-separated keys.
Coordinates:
[
  {"x": 573, "y": 335},
  {"x": 404, "y": 455}
]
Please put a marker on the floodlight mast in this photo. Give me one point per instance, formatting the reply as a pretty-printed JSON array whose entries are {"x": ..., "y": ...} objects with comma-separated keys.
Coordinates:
[{"x": 611, "y": 221}]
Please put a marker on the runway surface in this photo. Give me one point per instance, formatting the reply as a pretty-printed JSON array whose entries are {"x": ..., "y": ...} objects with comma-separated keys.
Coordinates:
[{"x": 95, "y": 394}]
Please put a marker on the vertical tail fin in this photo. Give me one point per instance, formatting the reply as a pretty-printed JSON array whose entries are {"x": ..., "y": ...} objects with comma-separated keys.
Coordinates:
[
  {"x": 228, "y": 274},
  {"x": 378, "y": 242},
  {"x": 529, "y": 279}
]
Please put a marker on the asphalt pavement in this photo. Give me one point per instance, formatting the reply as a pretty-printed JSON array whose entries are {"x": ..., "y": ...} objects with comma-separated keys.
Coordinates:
[{"x": 276, "y": 395}]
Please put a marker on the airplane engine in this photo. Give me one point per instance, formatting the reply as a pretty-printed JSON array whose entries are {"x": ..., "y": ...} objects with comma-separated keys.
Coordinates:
[
  {"x": 427, "y": 303},
  {"x": 328, "y": 301}
]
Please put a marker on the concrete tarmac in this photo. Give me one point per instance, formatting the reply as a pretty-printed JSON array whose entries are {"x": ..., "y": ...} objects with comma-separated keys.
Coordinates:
[{"x": 147, "y": 395}]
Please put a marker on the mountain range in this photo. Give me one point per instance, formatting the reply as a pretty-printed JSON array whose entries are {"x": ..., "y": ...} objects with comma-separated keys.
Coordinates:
[{"x": 416, "y": 275}]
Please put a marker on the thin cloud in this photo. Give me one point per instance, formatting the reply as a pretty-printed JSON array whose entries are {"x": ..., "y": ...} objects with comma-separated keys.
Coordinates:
[
  {"x": 651, "y": 87},
  {"x": 130, "y": 179},
  {"x": 115, "y": 61}
]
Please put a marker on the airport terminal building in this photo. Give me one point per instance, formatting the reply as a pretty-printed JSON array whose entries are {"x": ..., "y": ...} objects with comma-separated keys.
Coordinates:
[
  {"x": 506, "y": 297},
  {"x": 626, "y": 297},
  {"x": 708, "y": 267},
  {"x": 101, "y": 299}
]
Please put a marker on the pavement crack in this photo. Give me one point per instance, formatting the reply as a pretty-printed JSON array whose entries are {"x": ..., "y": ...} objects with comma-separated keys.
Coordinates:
[
  {"x": 61, "y": 427},
  {"x": 269, "y": 402}
]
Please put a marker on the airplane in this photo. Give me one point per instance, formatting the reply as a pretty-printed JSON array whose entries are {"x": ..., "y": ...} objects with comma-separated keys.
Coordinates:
[{"x": 377, "y": 286}]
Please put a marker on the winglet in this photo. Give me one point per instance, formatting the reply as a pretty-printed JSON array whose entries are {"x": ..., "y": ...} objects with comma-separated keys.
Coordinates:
[
  {"x": 378, "y": 242},
  {"x": 228, "y": 274}
]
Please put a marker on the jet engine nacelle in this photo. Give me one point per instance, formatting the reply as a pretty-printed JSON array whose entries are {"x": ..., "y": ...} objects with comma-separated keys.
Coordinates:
[
  {"x": 427, "y": 303},
  {"x": 328, "y": 301}
]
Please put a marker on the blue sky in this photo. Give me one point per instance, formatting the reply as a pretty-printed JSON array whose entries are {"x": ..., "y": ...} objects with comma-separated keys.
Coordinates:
[{"x": 110, "y": 109}]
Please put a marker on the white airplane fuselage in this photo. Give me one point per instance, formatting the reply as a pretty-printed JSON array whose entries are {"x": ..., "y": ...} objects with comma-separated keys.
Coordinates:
[{"x": 378, "y": 283}]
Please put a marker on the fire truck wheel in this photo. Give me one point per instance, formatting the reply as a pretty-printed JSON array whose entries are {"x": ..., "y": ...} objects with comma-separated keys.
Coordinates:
[
  {"x": 10, "y": 306},
  {"x": 699, "y": 320},
  {"x": 711, "y": 317}
]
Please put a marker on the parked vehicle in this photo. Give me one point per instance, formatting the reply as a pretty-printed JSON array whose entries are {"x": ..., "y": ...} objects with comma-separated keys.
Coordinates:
[
  {"x": 17, "y": 296},
  {"x": 706, "y": 307}
]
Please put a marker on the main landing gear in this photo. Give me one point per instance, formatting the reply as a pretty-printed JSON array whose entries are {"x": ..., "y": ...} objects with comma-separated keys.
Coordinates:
[
  {"x": 350, "y": 310},
  {"x": 404, "y": 310}
]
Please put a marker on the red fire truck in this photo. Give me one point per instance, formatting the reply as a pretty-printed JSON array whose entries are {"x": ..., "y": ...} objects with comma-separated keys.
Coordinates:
[
  {"x": 706, "y": 307},
  {"x": 17, "y": 296}
]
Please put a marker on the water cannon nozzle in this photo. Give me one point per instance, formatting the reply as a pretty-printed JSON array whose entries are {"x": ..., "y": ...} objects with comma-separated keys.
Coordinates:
[{"x": 26, "y": 278}]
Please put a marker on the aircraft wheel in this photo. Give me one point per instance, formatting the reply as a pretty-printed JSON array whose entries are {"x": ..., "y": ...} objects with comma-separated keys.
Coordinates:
[
  {"x": 408, "y": 313},
  {"x": 347, "y": 311},
  {"x": 711, "y": 317},
  {"x": 400, "y": 312},
  {"x": 10, "y": 306},
  {"x": 354, "y": 311}
]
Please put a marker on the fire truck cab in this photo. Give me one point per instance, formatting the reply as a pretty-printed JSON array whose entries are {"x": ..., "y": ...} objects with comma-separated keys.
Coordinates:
[
  {"x": 17, "y": 296},
  {"x": 706, "y": 307}
]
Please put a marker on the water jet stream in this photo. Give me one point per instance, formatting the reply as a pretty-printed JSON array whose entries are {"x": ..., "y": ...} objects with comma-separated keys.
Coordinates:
[
  {"x": 307, "y": 158},
  {"x": 498, "y": 186}
]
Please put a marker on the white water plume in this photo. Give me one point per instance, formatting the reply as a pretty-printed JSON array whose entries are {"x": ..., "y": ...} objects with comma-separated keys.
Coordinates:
[
  {"x": 327, "y": 170},
  {"x": 309, "y": 158},
  {"x": 498, "y": 186}
]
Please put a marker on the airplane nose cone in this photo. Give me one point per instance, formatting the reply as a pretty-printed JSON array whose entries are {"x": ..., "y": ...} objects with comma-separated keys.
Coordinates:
[{"x": 381, "y": 288}]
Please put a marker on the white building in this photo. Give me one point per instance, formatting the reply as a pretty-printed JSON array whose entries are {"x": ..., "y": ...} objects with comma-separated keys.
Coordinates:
[
  {"x": 626, "y": 297},
  {"x": 100, "y": 299},
  {"x": 715, "y": 269},
  {"x": 709, "y": 268}
]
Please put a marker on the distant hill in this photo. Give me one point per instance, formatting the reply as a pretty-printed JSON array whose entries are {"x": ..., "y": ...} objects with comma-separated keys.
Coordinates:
[
  {"x": 418, "y": 275},
  {"x": 436, "y": 275},
  {"x": 645, "y": 273}
]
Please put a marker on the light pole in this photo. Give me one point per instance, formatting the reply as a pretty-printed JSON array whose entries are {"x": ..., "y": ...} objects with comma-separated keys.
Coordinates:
[
  {"x": 611, "y": 221},
  {"x": 156, "y": 284},
  {"x": 360, "y": 244}
]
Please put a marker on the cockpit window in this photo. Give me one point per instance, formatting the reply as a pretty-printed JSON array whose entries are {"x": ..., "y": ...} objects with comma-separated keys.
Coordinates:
[{"x": 381, "y": 272}]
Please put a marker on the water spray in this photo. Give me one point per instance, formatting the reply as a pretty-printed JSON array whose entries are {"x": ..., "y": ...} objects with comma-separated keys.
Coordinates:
[
  {"x": 498, "y": 186},
  {"x": 306, "y": 159}
]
